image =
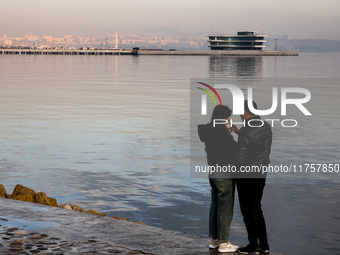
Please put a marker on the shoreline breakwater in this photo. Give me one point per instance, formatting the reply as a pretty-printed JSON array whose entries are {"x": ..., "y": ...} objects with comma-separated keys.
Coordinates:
[
  {"x": 23, "y": 193},
  {"x": 241, "y": 53},
  {"x": 31, "y": 228}
]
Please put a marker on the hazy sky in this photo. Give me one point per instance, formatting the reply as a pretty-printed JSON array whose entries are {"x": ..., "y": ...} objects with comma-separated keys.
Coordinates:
[{"x": 295, "y": 18}]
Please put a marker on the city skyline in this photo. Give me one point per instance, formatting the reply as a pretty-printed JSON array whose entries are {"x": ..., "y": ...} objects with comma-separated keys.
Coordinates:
[
  {"x": 151, "y": 41},
  {"x": 107, "y": 41}
]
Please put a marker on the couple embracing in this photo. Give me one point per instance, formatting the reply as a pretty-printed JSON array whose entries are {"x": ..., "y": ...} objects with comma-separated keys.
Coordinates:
[{"x": 251, "y": 149}]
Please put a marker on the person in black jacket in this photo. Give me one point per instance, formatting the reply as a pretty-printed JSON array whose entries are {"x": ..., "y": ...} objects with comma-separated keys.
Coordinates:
[
  {"x": 220, "y": 148},
  {"x": 254, "y": 146}
]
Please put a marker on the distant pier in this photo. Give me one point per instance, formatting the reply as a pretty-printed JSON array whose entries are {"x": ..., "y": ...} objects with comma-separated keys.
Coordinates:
[
  {"x": 149, "y": 52},
  {"x": 67, "y": 52},
  {"x": 220, "y": 52}
]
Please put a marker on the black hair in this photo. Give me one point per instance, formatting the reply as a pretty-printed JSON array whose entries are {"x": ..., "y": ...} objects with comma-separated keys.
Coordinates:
[
  {"x": 220, "y": 112},
  {"x": 246, "y": 108}
]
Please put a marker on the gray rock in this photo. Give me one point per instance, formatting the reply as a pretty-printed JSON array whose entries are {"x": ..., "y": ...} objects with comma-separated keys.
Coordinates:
[{"x": 72, "y": 207}]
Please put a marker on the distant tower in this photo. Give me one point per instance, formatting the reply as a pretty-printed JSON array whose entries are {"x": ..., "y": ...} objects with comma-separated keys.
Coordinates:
[
  {"x": 275, "y": 43},
  {"x": 106, "y": 43},
  {"x": 116, "y": 41}
]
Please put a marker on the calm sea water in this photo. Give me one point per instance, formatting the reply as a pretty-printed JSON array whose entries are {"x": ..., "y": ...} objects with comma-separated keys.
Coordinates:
[{"x": 111, "y": 133}]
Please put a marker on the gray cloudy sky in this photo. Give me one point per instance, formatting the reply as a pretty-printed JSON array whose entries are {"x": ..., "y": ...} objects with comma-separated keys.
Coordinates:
[{"x": 296, "y": 18}]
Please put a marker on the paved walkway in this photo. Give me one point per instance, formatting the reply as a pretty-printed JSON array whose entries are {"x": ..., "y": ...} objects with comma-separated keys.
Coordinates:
[{"x": 51, "y": 230}]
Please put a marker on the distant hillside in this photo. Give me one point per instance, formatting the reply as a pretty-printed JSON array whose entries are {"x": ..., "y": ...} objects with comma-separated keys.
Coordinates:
[{"x": 304, "y": 45}]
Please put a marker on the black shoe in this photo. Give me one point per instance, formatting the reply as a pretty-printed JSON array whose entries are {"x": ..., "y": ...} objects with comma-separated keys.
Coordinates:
[
  {"x": 250, "y": 250},
  {"x": 264, "y": 249}
]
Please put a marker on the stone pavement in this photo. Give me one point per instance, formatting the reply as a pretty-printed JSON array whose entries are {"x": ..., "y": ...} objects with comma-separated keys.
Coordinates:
[{"x": 30, "y": 228}]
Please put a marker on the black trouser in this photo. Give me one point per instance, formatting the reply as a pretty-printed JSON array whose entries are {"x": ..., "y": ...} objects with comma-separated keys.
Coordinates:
[{"x": 250, "y": 194}]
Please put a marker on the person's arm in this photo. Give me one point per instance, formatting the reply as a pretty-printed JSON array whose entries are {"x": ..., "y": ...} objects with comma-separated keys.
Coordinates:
[
  {"x": 234, "y": 128},
  {"x": 203, "y": 132},
  {"x": 243, "y": 145}
]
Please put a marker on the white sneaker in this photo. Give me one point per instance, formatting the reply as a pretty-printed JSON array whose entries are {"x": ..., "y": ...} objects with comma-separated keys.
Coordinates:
[
  {"x": 214, "y": 244},
  {"x": 227, "y": 247}
]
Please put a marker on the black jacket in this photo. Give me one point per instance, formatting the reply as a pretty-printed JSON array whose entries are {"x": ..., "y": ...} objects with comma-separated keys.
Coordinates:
[
  {"x": 254, "y": 143},
  {"x": 220, "y": 146}
]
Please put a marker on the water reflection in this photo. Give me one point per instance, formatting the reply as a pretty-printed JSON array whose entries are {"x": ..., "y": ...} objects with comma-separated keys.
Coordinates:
[
  {"x": 235, "y": 66},
  {"x": 50, "y": 228},
  {"x": 111, "y": 133}
]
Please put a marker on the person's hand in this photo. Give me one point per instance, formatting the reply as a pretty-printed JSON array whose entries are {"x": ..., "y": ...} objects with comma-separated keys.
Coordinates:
[{"x": 234, "y": 128}]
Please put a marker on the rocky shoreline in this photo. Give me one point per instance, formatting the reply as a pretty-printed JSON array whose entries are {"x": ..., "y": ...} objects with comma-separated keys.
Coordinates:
[{"x": 23, "y": 193}]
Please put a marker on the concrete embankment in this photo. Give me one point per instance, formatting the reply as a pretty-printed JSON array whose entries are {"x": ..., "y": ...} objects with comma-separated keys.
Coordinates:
[
  {"x": 241, "y": 53},
  {"x": 101, "y": 235},
  {"x": 128, "y": 235},
  {"x": 32, "y": 222},
  {"x": 66, "y": 52}
]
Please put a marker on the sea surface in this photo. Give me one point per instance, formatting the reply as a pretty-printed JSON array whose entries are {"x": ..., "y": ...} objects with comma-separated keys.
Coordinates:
[{"x": 112, "y": 133}]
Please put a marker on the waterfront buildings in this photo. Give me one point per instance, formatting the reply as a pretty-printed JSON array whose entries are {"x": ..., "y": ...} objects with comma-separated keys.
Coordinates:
[{"x": 147, "y": 41}]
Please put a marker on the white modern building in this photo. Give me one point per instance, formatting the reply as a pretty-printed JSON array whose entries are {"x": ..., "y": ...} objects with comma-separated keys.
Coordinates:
[{"x": 244, "y": 40}]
